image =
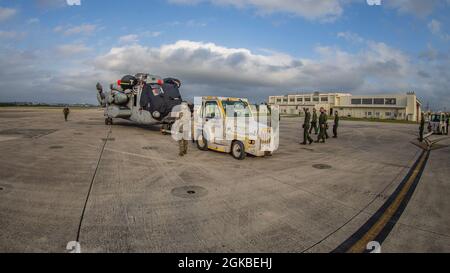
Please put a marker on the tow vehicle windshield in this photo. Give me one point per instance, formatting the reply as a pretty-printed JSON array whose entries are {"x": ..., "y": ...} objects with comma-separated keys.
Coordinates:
[
  {"x": 238, "y": 109},
  {"x": 436, "y": 118}
]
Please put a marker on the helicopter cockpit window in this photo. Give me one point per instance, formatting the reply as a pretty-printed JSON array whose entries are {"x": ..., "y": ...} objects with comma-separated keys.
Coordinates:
[{"x": 157, "y": 90}]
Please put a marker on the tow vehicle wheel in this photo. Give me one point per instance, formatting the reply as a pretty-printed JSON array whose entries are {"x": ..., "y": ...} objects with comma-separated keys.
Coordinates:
[
  {"x": 202, "y": 143},
  {"x": 238, "y": 150}
]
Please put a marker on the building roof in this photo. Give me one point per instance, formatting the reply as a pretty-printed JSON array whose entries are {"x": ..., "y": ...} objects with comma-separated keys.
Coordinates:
[{"x": 314, "y": 94}]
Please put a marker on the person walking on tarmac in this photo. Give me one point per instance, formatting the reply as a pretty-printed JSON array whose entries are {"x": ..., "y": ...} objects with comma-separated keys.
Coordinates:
[
  {"x": 306, "y": 128},
  {"x": 182, "y": 143},
  {"x": 447, "y": 121},
  {"x": 66, "y": 112},
  {"x": 421, "y": 127},
  {"x": 184, "y": 129},
  {"x": 322, "y": 126},
  {"x": 336, "y": 124},
  {"x": 314, "y": 122}
]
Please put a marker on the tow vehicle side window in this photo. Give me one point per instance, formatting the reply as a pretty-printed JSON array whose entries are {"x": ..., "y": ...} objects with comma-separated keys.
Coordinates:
[{"x": 212, "y": 110}]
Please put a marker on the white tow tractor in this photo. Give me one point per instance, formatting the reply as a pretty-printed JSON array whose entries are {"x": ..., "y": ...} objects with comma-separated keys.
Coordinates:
[
  {"x": 230, "y": 125},
  {"x": 437, "y": 124}
]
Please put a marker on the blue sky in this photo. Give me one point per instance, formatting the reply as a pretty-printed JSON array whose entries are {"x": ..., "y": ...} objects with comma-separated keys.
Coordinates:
[{"x": 247, "y": 48}]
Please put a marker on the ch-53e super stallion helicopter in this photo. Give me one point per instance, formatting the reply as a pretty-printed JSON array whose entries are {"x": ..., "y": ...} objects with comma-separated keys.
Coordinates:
[{"x": 145, "y": 99}]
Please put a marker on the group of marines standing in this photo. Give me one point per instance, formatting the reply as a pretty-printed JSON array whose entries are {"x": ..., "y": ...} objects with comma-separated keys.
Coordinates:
[{"x": 319, "y": 124}]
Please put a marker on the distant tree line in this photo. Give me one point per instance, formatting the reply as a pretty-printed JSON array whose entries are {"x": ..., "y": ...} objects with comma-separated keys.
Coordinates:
[{"x": 34, "y": 104}]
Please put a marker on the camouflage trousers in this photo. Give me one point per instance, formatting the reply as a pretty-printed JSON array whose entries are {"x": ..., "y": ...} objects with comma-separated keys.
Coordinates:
[
  {"x": 66, "y": 116},
  {"x": 306, "y": 135},
  {"x": 183, "y": 146},
  {"x": 322, "y": 133},
  {"x": 314, "y": 127}
]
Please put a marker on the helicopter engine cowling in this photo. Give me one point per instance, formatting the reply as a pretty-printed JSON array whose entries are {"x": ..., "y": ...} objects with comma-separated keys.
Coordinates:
[
  {"x": 116, "y": 111},
  {"x": 120, "y": 98}
]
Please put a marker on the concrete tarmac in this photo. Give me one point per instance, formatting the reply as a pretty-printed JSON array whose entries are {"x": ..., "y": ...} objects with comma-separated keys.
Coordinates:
[{"x": 144, "y": 198}]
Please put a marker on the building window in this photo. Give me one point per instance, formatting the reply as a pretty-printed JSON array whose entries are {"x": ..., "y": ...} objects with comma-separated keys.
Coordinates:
[
  {"x": 285, "y": 100},
  {"x": 367, "y": 101},
  {"x": 315, "y": 99},
  {"x": 356, "y": 101},
  {"x": 388, "y": 114},
  {"x": 324, "y": 99},
  {"x": 292, "y": 99},
  {"x": 369, "y": 114},
  {"x": 299, "y": 99},
  {"x": 278, "y": 100},
  {"x": 391, "y": 101},
  {"x": 378, "y": 101},
  {"x": 307, "y": 99}
]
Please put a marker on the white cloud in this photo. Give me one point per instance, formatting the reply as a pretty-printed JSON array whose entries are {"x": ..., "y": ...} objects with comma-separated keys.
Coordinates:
[
  {"x": 84, "y": 29},
  {"x": 324, "y": 10},
  {"x": 11, "y": 35},
  {"x": 211, "y": 69},
  {"x": 68, "y": 50},
  {"x": 135, "y": 38},
  {"x": 419, "y": 8},
  {"x": 51, "y": 3},
  {"x": 200, "y": 62},
  {"x": 6, "y": 13},
  {"x": 309, "y": 9},
  {"x": 435, "y": 27},
  {"x": 33, "y": 21},
  {"x": 129, "y": 39},
  {"x": 195, "y": 23},
  {"x": 152, "y": 34},
  {"x": 351, "y": 37},
  {"x": 376, "y": 68}
]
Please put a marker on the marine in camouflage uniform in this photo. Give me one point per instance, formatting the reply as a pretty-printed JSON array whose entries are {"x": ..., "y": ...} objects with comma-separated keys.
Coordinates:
[
  {"x": 447, "y": 123},
  {"x": 182, "y": 143},
  {"x": 421, "y": 127},
  {"x": 336, "y": 125},
  {"x": 66, "y": 112},
  {"x": 185, "y": 128},
  {"x": 306, "y": 128},
  {"x": 314, "y": 122},
  {"x": 326, "y": 125},
  {"x": 322, "y": 126}
]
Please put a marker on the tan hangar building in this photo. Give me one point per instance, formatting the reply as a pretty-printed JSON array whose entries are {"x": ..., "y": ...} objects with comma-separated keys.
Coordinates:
[{"x": 386, "y": 106}]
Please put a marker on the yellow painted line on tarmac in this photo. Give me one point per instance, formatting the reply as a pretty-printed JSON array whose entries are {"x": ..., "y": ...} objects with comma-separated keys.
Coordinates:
[{"x": 372, "y": 233}]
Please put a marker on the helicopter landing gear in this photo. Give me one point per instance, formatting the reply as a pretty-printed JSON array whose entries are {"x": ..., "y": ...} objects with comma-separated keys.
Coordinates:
[{"x": 108, "y": 121}]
